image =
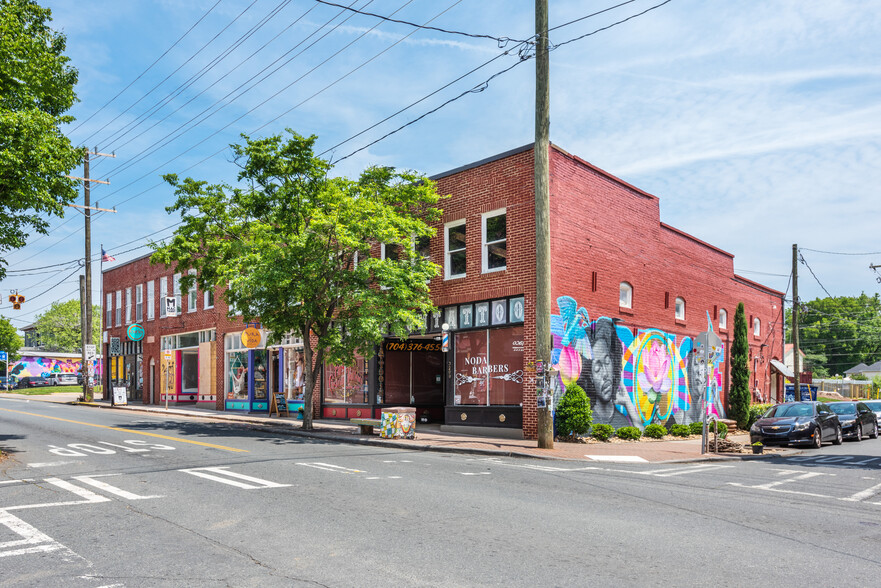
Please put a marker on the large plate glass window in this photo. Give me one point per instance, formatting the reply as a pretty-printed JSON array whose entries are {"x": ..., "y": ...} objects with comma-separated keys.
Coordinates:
[
  {"x": 495, "y": 241},
  {"x": 488, "y": 367}
]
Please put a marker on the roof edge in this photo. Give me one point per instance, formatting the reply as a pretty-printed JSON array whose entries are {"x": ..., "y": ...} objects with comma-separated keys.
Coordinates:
[{"x": 695, "y": 239}]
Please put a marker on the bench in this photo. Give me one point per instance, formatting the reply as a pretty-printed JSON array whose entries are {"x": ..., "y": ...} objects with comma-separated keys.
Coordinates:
[{"x": 365, "y": 425}]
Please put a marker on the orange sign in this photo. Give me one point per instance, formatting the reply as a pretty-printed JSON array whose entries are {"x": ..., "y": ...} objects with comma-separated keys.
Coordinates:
[{"x": 251, "y": 337}]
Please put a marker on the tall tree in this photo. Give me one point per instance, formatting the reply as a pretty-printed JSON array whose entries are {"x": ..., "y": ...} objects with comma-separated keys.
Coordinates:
[
  {"x": 60, "y": 328},
  {"x": 36, "y": 89},
  {"x": 839, "y": 333},
  {"x": 10, "y": 341},
  {"x": 739, "y": 395},
  {"x": 292, "y": 248}
]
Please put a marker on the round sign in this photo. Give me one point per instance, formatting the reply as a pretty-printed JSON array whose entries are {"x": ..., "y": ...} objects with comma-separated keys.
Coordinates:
[
  {"x": 135, "y": 332},
  {"x": 251, "y": 337}
]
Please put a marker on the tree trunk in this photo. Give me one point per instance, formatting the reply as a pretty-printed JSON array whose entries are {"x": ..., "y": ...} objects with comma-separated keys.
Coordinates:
[{"x": 310, "y": 380}]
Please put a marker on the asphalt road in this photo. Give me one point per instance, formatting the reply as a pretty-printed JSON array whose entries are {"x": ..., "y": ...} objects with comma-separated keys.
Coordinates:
[{"x": 110, "y": 498}]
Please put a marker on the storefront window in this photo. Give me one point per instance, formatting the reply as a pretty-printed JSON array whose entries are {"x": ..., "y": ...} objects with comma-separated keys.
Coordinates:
[
  {"x": 344, "y": 384},
  {"x": 189, "y": 371},
  {"x": 294, "y": 374},
  {"x": 237, "y": 375},
  {"x": 259, "y": 374},
  {"x": 489, "y": 367}
]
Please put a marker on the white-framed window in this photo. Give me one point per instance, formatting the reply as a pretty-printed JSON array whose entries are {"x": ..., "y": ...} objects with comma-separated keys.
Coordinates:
[
  {"x": 151, "y": 300},
  {"x": 494, "y": 240},
  {"x": 119, "y": 308},
  {"x": 192, "y": 294},
  {"x": 209, "y": 298},
  {"x": 163, "y": 294},
  {"x": 680, "y": 309},
  {"x": 139, "y": 303},
  {"x": 757, "y": 327},
  {"x": 723, "y": 318},
  {"x": 454, "y": 250},
  {"x": 128, "y": 305},
  {"x": 175, "y": 283},
  {"x": 108, "y": 318},
  {"x": 625, "y": 295}
]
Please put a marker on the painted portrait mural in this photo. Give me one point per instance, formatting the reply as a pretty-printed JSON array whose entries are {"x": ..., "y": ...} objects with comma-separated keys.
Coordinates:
[
  {"x": 32, "y": 365},
  {"x": 633, "y": 379}
]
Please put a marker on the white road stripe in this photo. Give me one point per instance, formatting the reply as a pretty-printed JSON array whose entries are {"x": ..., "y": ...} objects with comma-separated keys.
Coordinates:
[
  {"x": 32, "y": 540},
  {"x": 50, "y": 464},
  {"x": 864, "y": 494},
  {"x": 222, "y": 475},
  {"x": 88, "y": 495},
  {"x": 330, "y": 467},
  {"x": 112, "y": 489},
  {"x": 475, "y": 473},
  {"x": 617, "y": 458},
  {"x": 667, "y": 472}
]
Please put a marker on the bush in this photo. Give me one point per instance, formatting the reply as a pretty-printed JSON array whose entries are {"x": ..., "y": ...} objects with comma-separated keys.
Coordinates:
[
  {"x": 655, "y": 431},
  {"x": 629, "y": 433},
  {"x": 680, "y": 430},
  {"x": 697, "y": 428},
  {"x": 573, "y": 416},
  {"x": 755, "y": 412},
  {"x": 602, "y": 432},
  {"x": 723, "y": 429}
]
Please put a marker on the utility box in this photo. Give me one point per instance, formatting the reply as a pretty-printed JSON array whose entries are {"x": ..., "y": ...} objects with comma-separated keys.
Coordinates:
[{"x": 398, "y": 422}]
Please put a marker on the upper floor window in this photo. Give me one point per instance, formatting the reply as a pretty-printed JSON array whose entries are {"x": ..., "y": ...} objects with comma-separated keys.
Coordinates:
[
  {"x": 209, "y": 298},
  {"x": 454, "y": 249},
  {"x": 128, "y": 305},
  {"x": 723, "y": 318},
  {"x": 680, "y": 309},
  {"x": 757, "y": 327},
  {"x": 625, "y": 296},
  {"x": 118, "y": 308},
  {"x": 163, "y": 294},
  {"x": 495, "y": 241},
  {"x": 422, "y": 245},
  {"x": 108, "y": 320},
  {"x": 192, "y": 295},
  {"x": 151, "y": 300},
  {"x": 139, "y": 303},
  {"x": 175, "y": 284}
]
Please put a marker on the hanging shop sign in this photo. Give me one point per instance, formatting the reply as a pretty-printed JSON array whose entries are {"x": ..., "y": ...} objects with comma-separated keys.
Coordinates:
[
  {"x": 135, "y": 332},
  {"x": 251, "y": 337}
]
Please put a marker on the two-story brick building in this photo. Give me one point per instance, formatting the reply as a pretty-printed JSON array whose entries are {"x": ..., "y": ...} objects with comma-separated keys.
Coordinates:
[{"x": 632, "y": 293}]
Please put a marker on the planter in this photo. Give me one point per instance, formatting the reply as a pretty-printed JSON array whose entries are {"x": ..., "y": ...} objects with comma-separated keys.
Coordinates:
[{"x": 757, "y": 449}]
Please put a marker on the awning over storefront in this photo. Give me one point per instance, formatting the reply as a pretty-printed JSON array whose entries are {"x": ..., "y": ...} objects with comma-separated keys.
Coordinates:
[{"x": 781, "y": 367}]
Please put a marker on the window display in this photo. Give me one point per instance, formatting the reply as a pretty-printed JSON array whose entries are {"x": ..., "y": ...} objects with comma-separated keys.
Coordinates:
[
  {"x": 489, "y": 367},
  {"x": 345, "y": 384}
]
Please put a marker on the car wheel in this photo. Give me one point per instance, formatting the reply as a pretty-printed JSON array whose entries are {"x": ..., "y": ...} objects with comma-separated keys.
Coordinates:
[
  {"x": 818, "y": 438},
  {"x": 838, "y": 437},
  {"x": 859, "y": 431},
  {"x": 874, "y": 433}
]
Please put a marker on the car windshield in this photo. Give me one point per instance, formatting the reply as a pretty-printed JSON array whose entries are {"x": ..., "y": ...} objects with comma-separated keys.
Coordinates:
[
  {"x": 843, "y": 408},
  {"x": 790, "y": 410},
  {"x": 875, "y": 406}
]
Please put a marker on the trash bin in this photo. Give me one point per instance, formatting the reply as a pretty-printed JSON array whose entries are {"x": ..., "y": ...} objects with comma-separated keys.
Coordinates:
[{"x": 398, "y": 422}]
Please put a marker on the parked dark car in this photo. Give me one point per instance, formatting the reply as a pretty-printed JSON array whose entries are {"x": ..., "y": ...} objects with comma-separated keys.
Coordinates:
[
  {"x": 856, "y": 419},
  {"x": 32, "y": 382},
  {"x": 797, "y": 422},
  {"x": 6, "y": 382},
  {"x": 874, "y": 406}
]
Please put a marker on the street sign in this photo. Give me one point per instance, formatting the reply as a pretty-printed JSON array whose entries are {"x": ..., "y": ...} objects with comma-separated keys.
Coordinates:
[
  {"x": 3, "y": 356},
  {"x": 91, "y": 351},
  {"x": 135, "y": 332}
]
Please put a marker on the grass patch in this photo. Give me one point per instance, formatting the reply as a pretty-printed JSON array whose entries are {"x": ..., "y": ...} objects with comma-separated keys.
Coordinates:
[{"x": 47, "y": 390}]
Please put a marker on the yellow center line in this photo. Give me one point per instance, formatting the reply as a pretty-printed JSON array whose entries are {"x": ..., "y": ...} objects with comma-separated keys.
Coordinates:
[{"x": 166, "y": 437}]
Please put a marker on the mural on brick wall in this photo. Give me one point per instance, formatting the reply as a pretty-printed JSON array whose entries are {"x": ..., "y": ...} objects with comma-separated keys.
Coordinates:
[
  {"x": 36, "y": 365},
  {"x": 633, "y": 379}
]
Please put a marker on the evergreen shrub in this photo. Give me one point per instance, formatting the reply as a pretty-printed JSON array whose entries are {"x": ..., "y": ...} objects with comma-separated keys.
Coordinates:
[
  {"x": 680, "y": 430},
  {"x": 697, "y": 428},
  {"x": 602, "y": 432},
  {"x": 629, "y": 433},
  {"x": 574, "y": 415},
  {"x": 655, "y": 431}
]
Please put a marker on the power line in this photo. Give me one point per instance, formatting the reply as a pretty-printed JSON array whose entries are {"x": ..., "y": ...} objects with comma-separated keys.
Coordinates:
[
  {"x": 838, "y": 252},
  {"x": 502, "y": 41},
  {"x": 571, "y": 22},
  {"x": 148, "y": 68},
  {"x": 802, "y": 258},
  {"x": 611, "y": 25}
]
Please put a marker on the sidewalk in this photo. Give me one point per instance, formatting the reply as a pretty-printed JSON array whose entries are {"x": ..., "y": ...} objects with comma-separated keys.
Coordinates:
[{"x": 429, "y": 437}]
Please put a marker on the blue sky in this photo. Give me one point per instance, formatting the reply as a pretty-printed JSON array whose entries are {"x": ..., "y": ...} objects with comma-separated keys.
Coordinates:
[{"x": 757, "y": 124}]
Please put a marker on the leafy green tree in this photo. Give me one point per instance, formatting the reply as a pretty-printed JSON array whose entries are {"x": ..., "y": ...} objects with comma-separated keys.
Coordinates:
[
  {"x": 10, "y": 341},
  {"x": 739, "y": 395},
  {"x": 292, "y": 248},
  {"x": 60, "y": 328},
  {"x": 36, "y": 89},
  {"x": 838, "y": 333}
]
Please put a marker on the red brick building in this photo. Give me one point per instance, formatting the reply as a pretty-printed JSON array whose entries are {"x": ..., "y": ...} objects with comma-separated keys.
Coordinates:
[{"x": 632, "y": 293}]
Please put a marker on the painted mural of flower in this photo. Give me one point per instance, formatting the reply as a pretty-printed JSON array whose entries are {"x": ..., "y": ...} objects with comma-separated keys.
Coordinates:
[
  {"x": 655, "y": 378},
  {"x": 569, "y": 365}
]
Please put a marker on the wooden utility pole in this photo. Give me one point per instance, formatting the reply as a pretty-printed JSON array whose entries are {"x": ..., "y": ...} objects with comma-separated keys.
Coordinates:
[
  {"x": 795, "y": 355},
  {"x": 86, "y": 290},
  {"x": 542, "y": 219}
]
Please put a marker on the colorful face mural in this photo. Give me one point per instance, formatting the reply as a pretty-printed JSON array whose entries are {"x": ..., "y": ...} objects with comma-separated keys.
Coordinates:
[
  {"x": 649, "y": 377},
  {"x": 31, "y": 365}
]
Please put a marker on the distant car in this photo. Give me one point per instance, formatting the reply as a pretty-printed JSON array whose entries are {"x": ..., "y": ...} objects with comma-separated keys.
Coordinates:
[
  {"x": 874, "y": 406},
  {"x": 32, "y": 382},
  {"x": 856, "y": 419},
  {"x": 6, "y": 382},
  {"x": 797, "y": 422},
  {"x": 62, "y": 379}
]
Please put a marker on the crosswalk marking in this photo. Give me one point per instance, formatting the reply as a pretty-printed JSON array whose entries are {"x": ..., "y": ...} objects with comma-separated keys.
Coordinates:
[
  {"x": 330, "y": 467},
  {"x": 668, "y": 472},
  {"x": 222, "y": 474},
  {"x": 864, "y": 494},
  {"x": 112, "y": 489},
  {"x": 475, "y": 473},
  {"x": 32, "y": 540}
]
